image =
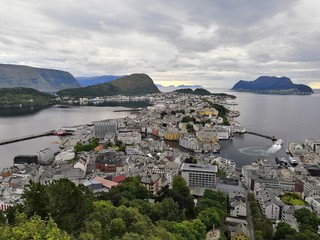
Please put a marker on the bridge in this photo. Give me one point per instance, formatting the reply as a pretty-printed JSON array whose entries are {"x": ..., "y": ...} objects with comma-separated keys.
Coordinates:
[
  {"x": 19, "y": 139},
  {"x": 273, "y": 138}
]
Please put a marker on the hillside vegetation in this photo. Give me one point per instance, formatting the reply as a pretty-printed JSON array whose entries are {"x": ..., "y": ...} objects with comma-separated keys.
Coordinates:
[
  {"x": 272, "y": 85},
  {"x": 24, "y": 96},
  {"x": 132, "y": 85}
]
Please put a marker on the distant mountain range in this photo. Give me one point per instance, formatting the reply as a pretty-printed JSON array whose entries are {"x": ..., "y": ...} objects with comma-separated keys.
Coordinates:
[
  {"x": 90, "y": 81},
  {"x": 172, "y": 87},
  {"x": 132, "y": 85},
  {"x": 37, "y": 78},
  {"x": 272, "y": 85},
  {"x": 198, "y": 91}
]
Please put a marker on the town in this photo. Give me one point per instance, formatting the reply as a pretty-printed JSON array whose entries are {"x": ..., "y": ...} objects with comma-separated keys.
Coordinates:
[{"x": 177, "y": 135}]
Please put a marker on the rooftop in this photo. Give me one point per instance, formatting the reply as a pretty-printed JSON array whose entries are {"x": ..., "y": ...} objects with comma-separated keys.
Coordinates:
[{"x": 199, "y": 168}]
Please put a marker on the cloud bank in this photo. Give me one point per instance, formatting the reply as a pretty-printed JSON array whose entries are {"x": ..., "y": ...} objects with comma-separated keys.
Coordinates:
[{"x": 211, "y": 42}]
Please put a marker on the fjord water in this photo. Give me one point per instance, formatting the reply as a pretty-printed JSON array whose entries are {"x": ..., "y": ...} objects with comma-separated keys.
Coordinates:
[
  {"x": 291, "y": 118},
  {"x": 36, "y": 121}
]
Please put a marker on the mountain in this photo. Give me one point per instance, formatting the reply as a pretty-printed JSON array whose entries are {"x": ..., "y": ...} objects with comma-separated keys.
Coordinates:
[
  {"x": 24, "y": 96},
  {"x": 272, "y": 85},
  {"x": 37, "y": 78},
  {"x": 198, "y": 91},
  {"x": 134, "y": 84},
  {"x": 89, "y": 81}
]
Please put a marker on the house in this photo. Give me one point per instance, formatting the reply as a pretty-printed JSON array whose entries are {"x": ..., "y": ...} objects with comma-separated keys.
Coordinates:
[
  {"x": 238, "y": 206},
  {"x": 119, "y": 178},
  {"x": 152, "y": 183},
  {"x": 239, "y": 232},
  {"x": 105, "y": 183}
]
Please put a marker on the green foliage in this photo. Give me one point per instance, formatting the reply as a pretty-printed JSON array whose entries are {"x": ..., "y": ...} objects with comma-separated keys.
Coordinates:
[
  {"x": 262, "y": 226},
  {"x": 134, "y": 84},
  {"x": 88, "y": 147},
  {"x": 179, "y": 185},
  {"x": 283, "y": 230},
  {"x": 292, "y": 199},
  {"x": 308, "y": 220},
  {"x": 191, "y": 159},
  {"x": 66, "y": 203},
  {"x": 187, "y": 119},
  {"x": 190, "y": 128},
  {"x": 24, "y": 96},
  {"x": 167, "y": 209},
  {"x": 32, "y": 228},
  {"x": 129, "y": 189},
  {"x": 209, "y": 217}
]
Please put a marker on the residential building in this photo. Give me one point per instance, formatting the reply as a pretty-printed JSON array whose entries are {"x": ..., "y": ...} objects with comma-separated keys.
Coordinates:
[
  {"x": 270, "y": 206},
  {"x": 151, "y": 182}
]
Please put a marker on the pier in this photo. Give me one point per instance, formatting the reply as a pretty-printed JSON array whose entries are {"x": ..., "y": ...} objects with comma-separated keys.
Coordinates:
[
  {"x": 273, "y": 138},
  {"x": 19, "y": 139}
]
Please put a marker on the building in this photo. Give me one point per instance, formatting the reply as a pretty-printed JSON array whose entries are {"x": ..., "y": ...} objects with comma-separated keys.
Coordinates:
[
  {"x": 109, "y": 160},
  {"x": 152, "y": 183},
  {"x": 197, "y": 175},
  {"x": 129, "y": 137},
  {"x": 46, "y": 156},
  {"x": 223, "y": 132},
  {"x": 101, "y": 128},
  {"x": 64, "y": 156},
  {"x": 314, "y": 144},
  {"x": 270, "y": 206},
  {"x": 238, "y": 206},
  {"x": 22, "y": 159}
]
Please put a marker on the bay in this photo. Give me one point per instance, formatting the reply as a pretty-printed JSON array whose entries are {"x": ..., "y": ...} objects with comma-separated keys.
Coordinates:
[{"x": 47, "y": 119}]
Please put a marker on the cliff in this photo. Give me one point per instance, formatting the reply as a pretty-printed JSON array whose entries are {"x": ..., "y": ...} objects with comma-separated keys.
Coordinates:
[{"x": 37, "y": 78}]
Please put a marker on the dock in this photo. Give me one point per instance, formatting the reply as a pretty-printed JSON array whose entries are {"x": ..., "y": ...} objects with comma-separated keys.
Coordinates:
[
  {"x": 19, "y": 139},
  {"x": 273, "y": 138}
]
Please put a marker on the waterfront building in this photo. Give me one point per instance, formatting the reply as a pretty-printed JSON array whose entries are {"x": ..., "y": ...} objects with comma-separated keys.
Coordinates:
[
  {"x": 64, "y": 156},
  {"x": 46, "y": 156},
  {"x": 223, "y": 132},
  {"x": 101, "y": 128},
  {"x": 198, "y": 175},
  {"x": 22, "y": 159}
]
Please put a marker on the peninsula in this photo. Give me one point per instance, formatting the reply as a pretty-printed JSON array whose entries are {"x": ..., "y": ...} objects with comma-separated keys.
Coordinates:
[{"x": 272, "y": 85}]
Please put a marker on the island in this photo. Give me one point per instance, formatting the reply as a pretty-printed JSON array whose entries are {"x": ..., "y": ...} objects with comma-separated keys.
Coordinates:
[{"x": 272, "y": 85}]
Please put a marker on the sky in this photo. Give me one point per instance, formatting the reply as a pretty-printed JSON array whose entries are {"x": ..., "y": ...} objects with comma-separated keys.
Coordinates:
[{"x": 213, "y": 43}]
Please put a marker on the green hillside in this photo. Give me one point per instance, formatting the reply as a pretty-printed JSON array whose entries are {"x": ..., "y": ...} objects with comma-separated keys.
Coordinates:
[
  {"x": 132, "y": 85},
  {"x": 23, "y": 96}
]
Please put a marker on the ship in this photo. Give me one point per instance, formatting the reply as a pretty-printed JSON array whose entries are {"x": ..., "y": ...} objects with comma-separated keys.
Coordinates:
[{"x": 60, "y": 133}]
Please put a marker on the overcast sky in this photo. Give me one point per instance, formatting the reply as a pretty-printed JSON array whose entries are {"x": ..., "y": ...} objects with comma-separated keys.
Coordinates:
[{"x": 208, "y": 42}]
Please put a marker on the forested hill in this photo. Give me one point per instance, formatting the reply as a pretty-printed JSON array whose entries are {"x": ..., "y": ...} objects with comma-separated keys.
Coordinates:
[
  {"x": 37, "y": 78},
  {"x": 132, "y": 85},
  {"x": 272, "y": 85},
  {"x": 24, "y": 96}
]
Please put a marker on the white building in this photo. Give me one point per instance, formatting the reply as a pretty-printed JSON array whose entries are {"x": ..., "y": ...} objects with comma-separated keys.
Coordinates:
[
  {"x": 129, "y": 137},
  {"x": 65, "y": 156},
  {"x": 46, "y": 156},
  {"x": 101, "y": 128},
  {"x": 223, "y": 132},
  {"x": 238, "y": 206},
  {"x": 270, "y": 206},
  {"x": 197, "y": 175}
]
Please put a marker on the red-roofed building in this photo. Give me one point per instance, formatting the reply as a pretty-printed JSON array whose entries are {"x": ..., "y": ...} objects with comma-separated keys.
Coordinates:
[
  {"x": 106, "y": 183},
  {"x": 119, "y": 179}
]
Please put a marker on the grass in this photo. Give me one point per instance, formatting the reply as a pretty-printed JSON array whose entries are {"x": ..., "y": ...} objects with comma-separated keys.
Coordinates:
[{"x": 292, "y": 199}]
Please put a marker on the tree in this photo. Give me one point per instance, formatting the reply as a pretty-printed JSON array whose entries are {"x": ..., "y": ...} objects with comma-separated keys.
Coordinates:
[
  {"x": 167, "y": 209},
  {"x": 282, "y": 230},
  {"x": 179, "y": 185},
  {"x": 209, "y": 217},
  {"x": 33, "y": 228},
  {"x": 36, "y": 199},
  {"x": 117, "y": 228}
]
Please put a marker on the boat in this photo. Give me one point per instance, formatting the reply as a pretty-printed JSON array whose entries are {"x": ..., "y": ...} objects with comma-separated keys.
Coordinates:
[{"x": 60, "y": 133}]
